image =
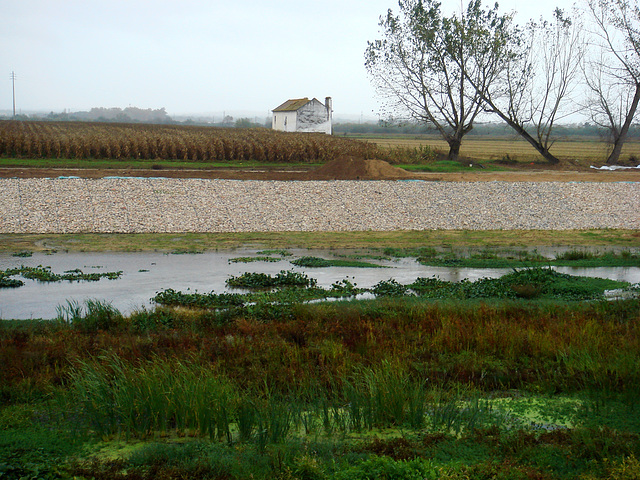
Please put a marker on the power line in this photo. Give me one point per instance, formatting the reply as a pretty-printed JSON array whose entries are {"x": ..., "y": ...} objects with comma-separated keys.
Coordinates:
[{"x": 13, "y": 84}]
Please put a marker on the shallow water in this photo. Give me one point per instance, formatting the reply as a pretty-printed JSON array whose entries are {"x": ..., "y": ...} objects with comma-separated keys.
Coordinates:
[{"x": 145, "y": 273}]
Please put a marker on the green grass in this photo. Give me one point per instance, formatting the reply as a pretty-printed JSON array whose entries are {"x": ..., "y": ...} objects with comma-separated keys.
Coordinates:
[
  {"x": 331, "y": 240},
  {"x": 112, "y": 164},
  {"x": 450, "y": 166}
]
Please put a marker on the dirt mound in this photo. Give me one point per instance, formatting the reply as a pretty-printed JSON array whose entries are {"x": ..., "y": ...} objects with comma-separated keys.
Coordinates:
[{"x": 352, "y": 168}]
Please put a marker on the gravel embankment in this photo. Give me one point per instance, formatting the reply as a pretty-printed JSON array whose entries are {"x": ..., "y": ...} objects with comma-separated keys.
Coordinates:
[{"x": 128, "y": 205}]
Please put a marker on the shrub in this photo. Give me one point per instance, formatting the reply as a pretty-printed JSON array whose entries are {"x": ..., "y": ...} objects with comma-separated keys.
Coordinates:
[{"x": 384, "y": 468}]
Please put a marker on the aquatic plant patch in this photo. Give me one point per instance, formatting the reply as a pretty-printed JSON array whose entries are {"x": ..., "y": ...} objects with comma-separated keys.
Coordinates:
[
  {"x": 524, "y": 283},
  {"x": 170, "y": 297},
  {"x": 276, "y": 251},
  {"x": 45, "y": 274},
  {"x": 255, "y": 302},
  {"x": 583, "y": 258},
  {"x": 317, "y": 262},
  {"x": 284, "y": 278},
  {"x": 288, "y": 287},
  {"x": 254, "y": 259},
  {"x": 182, "y": 251},
  {"x": 530, "y": 259},
  {"x": 7, "y": 282}
]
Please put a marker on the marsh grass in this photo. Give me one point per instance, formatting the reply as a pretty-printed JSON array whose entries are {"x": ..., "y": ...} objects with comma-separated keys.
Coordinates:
[
  {"x": 155, "y": 396},
  {"x": 160, "y": 397},
  {"x": 519, "y": 259},
  {"x": 273, "y": 388},
  {"x": 317, "y": 262},
  {"x": 93, "y": 316},
  {"x": 464, "y": 388},
  {"x": 377, "y": 241}
]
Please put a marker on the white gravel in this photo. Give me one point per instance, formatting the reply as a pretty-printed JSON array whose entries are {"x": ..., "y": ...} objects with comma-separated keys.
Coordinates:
[{"x": 133, "y": 205}]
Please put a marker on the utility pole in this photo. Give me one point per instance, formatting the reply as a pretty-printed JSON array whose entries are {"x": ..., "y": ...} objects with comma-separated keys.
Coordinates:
[{"x": 13, "y": 85}]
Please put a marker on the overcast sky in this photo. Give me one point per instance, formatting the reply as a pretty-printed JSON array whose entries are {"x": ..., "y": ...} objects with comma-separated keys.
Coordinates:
[{"x": 244, "y": 57}]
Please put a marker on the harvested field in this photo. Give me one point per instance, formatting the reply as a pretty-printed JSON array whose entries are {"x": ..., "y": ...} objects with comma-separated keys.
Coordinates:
[{"x": 572, "y": 150}]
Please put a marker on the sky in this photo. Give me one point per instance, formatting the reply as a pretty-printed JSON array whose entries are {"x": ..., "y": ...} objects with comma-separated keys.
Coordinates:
[{"x": 239, "y": 57}]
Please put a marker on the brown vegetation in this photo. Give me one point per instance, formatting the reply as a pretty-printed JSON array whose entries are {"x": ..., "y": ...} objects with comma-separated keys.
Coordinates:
[
  {"x": 296, "y": 347},
  {"x": 80, "y": 140}
]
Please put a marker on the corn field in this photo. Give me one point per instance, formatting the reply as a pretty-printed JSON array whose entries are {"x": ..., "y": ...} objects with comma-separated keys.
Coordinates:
[{"x": 80, "y": 140}]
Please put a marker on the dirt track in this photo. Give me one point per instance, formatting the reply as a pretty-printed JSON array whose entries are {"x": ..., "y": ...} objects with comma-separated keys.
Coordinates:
[{"x": 237, "y": 174}]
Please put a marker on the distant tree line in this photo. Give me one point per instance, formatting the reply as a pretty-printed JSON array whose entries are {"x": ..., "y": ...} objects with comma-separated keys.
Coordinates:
[
  {"x": 448, "y": 72},
  {"x": 586, "y": 129},
  {"x": 116, "y": 115},
  {"x": 139, "y": 115}
]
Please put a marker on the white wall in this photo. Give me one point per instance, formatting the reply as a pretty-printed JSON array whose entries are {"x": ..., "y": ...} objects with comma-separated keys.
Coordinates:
[
  {"x": 284, "y": 121},
  {"x": 313, "y": 117}
]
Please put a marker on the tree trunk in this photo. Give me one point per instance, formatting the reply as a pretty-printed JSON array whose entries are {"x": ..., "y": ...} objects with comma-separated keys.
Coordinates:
[
  {"x": 546, "y": 154},
  {"x": 454, "y": 148},
  {"x": 618, "y": 142}
]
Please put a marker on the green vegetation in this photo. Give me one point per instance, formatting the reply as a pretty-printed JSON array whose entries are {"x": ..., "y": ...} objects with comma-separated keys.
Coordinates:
[
  {"x": 263, "y": 256},
  {"x": 459, "y": 239},
  {"x": 316, "y": 262},
  {"x": 263, "y": 280},
  {"x": 289, "y": 287},
  {"x": 532, "y": 375},
  {"x": 387, "y": 388},
  {"x": 453, "y": 166},
  {"x": 151, "y": 164},
  {"x": 514, "y": 258},
  {"x": 44, "y": 274},
  {"x": 259, "y": 258}
]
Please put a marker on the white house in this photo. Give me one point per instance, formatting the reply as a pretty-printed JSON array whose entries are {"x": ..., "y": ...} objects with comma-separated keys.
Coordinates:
[{"x": 303, "y": 115}]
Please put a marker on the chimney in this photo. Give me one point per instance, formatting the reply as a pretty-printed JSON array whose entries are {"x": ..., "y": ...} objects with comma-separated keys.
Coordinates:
[{"x": 328, "y": 103}]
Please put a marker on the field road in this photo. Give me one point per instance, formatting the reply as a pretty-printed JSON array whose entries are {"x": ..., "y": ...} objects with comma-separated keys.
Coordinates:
[{"x": 137, "y": 205}]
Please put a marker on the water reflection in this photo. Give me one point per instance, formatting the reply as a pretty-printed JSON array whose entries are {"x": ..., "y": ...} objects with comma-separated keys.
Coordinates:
[{"x": 148, "y": 272}]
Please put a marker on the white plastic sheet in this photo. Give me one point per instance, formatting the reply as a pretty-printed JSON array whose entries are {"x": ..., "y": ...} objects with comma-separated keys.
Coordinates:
[{"x": 615, "y": 167}]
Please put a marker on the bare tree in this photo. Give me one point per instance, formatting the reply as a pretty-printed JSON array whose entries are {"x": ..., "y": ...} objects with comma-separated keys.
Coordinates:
[
  {"x": 535, "y": 89},
  {"x": 612, "y": 75},
  {"x": 435, "y": 69}
]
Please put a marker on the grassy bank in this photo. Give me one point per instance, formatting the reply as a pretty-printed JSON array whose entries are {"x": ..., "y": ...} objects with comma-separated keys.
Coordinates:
[
  {"x": 397, "y": 388},
  {"x": 324, "y": 240}
]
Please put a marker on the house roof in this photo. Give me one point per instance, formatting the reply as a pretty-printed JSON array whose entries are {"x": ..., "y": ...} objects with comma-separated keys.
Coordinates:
[{"x": 292, "y": 105}]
